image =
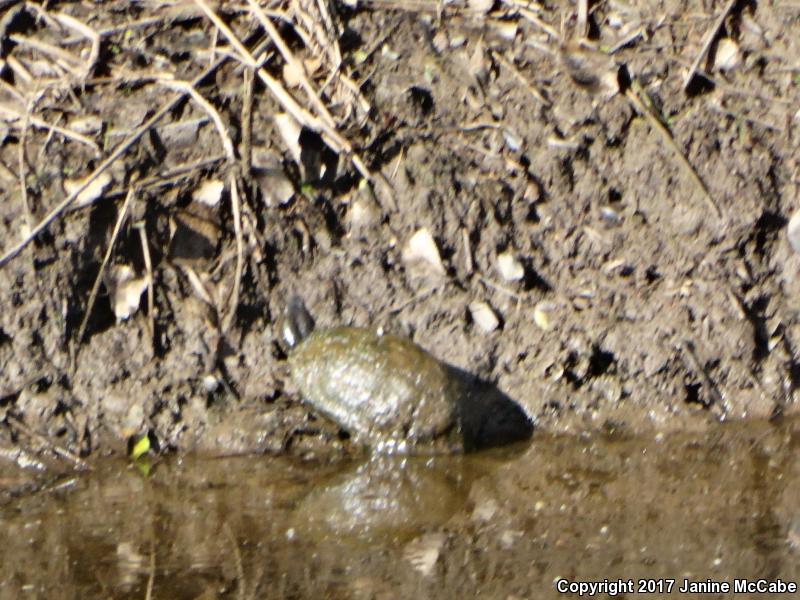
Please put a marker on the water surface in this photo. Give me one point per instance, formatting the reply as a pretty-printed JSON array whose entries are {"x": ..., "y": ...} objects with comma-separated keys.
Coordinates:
[{"x": 718, "y": 507}]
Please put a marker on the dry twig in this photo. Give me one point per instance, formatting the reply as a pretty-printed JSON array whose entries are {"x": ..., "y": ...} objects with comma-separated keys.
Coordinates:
[
  {"x": 10, "y": 114},
  {"x": 246, "y": 150},
  {"x": 23, "y": 186},
  {"x": 148, "y": 265},
  {"x": 332, "y": 137},
  {"x": 521, "y": 78},
  {"x": 119, "y": 151},
  {"x": 583, "y": 18},
  {"x": 237, "y": 226},
  {"x": 710, "y": 37},
  {"x": 188, "y": 88},
  {"x": 96, "y": 286},
  {"x": 76, "y": 460},
  {"x": 717, "y": 401},
  {"x": 640, "y": 106},
  {"x": 293, "y": 62},
  {"x": 151, "y": 576},
  {"x": 237, "y": 560}
]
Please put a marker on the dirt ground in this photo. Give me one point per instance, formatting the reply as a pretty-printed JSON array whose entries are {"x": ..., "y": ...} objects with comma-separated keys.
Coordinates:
[{"x": 627, "y": 231}]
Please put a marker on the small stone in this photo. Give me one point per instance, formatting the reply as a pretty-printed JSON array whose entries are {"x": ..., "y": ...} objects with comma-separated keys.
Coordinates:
[
  {"x": 542, "y": 315},
  {"x": 364, "y": 212},
  {"x": 506, "y": 30},
  {"x": 481, "y": 6},
  {"x": 727, "y": 55},
  {"x": 510, "y": 268},
  {"x": 610, "y": 216},
  {"x": 421, "y": 250},
  {"x": 485, "y": 511},
  {"x": 441, "y": 41},
  {"x": 457, "y": 41},
  {"x": 209, "y": 192},
  {"x": 275, "y": 186},
  {"x": 387, "y": 52},
  {"x": 483, "y": 316},
  {"x": 793, "y": 231},
  {"x": 512, "y": 140},
  {"x": 181, "y": 134},
  {"x": 424, "y": 551},
  {"x": 293, "y": 74},
  {"x": 125, "y": 290}
]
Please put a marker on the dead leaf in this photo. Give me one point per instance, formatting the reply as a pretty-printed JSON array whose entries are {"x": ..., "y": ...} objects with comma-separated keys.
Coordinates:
[{"x": 195, "y": 235}]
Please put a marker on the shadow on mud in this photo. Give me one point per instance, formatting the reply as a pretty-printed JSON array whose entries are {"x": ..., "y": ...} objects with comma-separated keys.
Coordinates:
[{"x": 489, "y": 418}]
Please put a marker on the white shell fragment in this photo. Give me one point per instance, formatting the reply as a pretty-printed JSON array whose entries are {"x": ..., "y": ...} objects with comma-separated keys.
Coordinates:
[
  {"x": 727, "y": 55},
  {"x": 92, "y": 192},
  {"x": 289, "y": 129},
  {"x": 484, "y": 317},
  {"x": 424, "y": 551},
  {"x": 543, "y": 315},
  {"x": 509, "y": 267},
  {"x": 209, "y": 192},
  {"x": 480, "y": 6},
  {"x": 125, "y": 290},
  {"x": 793, "y": 231},
  {"x": 421, "y": 250}
]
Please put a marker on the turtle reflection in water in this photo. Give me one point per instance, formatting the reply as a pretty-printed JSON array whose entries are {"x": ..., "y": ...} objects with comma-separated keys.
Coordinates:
[{"x": 392, "y": 395}]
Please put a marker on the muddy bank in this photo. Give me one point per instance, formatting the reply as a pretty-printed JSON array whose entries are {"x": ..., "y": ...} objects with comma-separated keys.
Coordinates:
[{"x": 628, "y": 298}]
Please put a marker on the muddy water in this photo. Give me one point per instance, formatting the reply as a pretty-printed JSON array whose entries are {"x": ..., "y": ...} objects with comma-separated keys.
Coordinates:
[{"x": 718, "y": 507}]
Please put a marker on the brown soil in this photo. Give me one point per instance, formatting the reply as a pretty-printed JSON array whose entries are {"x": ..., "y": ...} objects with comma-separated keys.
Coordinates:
[{"x": 484, "y": 129}]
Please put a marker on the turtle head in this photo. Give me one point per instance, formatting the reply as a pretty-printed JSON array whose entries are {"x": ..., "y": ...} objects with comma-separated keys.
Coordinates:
[{"x": 298, "y": 322}]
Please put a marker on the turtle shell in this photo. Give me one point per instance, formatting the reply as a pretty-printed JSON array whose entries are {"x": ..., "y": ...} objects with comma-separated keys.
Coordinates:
[{"x": 383, "y": 389}]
